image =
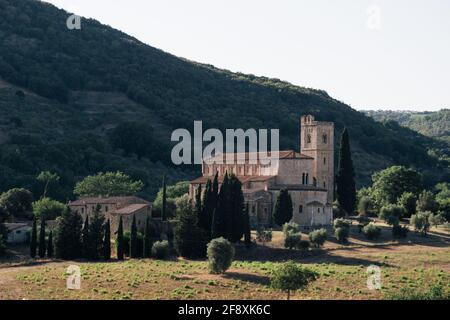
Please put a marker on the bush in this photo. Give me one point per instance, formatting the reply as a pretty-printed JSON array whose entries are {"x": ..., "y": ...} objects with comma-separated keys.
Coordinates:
[
  {"x": 436, "y": 292},
  {"x": 399, "y": 232},
  {"x": 292, "y": 240},
  {"x": 161, "y": 250},
  {"x": 264, "y": 235},
  {"x": 436, "y": 219},
  {"x": 303, "y": 245},
  {"x": 408, "y": 202},
  {"x": 220, "y": 255},
  {"x": 341, "y": 223},
  {"x": 371, "y": 231},
  {"x": 392, "y": 214},
  {"x": 342, "y": 234},
  {"x": 291, "y": 227},
  {"x": 290, "y": 276},
  {"x": 362, "y": 222},
  {"x": 365, "y": 206},
  {"x": 420, "y": 222},
  {"x": 427, "y": 202},
  {"x": 318, "y": 237}
]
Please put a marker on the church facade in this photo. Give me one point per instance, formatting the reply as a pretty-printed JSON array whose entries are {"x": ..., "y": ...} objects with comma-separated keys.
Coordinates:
[{"x": 308, "y": 176}]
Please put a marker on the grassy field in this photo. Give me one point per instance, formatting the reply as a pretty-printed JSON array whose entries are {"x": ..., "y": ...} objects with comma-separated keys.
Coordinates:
[{"x": 416, "y": 263}]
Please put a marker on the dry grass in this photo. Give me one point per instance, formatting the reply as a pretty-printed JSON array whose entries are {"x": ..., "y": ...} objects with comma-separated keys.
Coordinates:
[{"x": 342, "y": 271}]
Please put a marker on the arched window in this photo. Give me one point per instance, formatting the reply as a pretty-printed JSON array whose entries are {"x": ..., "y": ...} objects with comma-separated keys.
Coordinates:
[
  {"x": 308, "y": 138},
  {"x": 325, "y": 160},
  {"x": 306, "y": 179},
  {"x": 303, "y": 178},
  {"x": 325, "y": 139},
  {"x": 314, "y": 181}
]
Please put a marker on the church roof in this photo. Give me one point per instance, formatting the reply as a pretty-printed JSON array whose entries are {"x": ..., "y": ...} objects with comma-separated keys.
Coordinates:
[{"x": 285, "y": 154}]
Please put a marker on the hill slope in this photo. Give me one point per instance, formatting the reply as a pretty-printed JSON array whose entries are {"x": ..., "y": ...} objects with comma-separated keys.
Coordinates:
[{"x": 97, "y": 99}]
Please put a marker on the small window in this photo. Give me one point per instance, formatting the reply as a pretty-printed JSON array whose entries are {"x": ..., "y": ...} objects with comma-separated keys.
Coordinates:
[
  {"x": 82, "y": 210},
  {"x": 325, "y": 139},
  {"x": 318, "y": 210},
  {"x": 253, "y": 209},
  {"x": 106, "y": 208},
  {"x": 300, "y": 209},
  {"x": 324, "y": 185},
  {"x": 308, "y": 138},
  {"x": 324, "y": 160}
]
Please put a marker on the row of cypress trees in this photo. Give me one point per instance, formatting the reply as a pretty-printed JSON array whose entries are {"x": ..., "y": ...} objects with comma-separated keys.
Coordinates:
[
  {"x": 136, "y": 250},
  {"x": 45, "y": 246}
]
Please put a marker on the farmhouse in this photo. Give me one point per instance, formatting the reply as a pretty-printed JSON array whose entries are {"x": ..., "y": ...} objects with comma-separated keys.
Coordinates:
[
  {"x": 308, "y": 176},
  {"x": 115, "y": 207},
  {"x": 17, "y": 232}
]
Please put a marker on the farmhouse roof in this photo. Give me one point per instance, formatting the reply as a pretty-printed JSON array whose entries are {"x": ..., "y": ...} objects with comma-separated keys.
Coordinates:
[{"x": 107, "y": 200}]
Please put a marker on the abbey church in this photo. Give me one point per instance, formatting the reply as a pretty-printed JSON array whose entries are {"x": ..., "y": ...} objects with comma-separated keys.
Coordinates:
[{"x": 308, "y": 175}]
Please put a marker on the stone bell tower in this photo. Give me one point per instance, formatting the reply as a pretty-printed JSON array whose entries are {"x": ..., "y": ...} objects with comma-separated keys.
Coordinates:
[{"x": 317, "y": 141}]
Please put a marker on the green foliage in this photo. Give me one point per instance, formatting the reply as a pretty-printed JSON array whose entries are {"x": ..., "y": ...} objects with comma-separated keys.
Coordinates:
[
  {"x": 420, "y": 221},
  {"x": 427, "y": 202},
  {"x": 341, "y": 234},
  {"x": 16, "y": 203},
  {"x": 107, "y": 184},
  {"x": 208, "y": 206},
  {"x": 47, "y": 178},
  {"x": 220, "y": 254},
  {"x": 292, "y": 240},
  {"x": 48, "y": 208},
  {"x": 436, "y": 219},
  {"x": 365, "y": 206},
  {"x": 33, "y": 239},
  {"x": 318, "y": 237},
  {"x": 371, "y": 231},
  {"x": 263, "y": 235},
  {"x": 435, "y": 292},
  {"x": 173, "y": 192},
  {"x": 345, "y": 179},
  {"x": 189, "y": 240},
  {"x": 399, "y": 231},
  {"x": 282, "y": 212},
  {"x": 164, "y": 200},
  {"x": 120, "y": 240},
  {"x": 290, "y": 277},
  {"x": 68, "y": 236},
  {"x": 42, "y": 245},
  {"x": 291, "y": 227},
  {"x": 106, "y": 247},
  {"x": 134, "y": 252},
  {"x": 408, "y": 201},
  {"x": 96, "y": 233},
  {"x": 341, "y": 223},
  {"x": 50, "y": 249},
  {"x": 161, "y": 250},
  {"x": 86, "y": 243},
  {"x": 247, "y": 229},
  {"x": 2, "y": 246},
  {"x": 392, "y": 214},
  {"x": 389, "y": 184},
  {"x": 148, "y": 238}
]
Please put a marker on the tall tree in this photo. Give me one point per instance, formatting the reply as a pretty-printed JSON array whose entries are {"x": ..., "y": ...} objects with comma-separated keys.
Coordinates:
[
  {"x": 215, "y": 191},
  {"x": 47, "y": 178},
  {"x": 247, "y": 228},
  {"x": 108, "y": 184},
  {"x": 50, "y": 245},
  {"x": 33, "y": 240},
  {"x": 16, "y": 203},
  {"x": 219, "y": 225},
  {"x": 42, "y": 244},
  {"x": 235, "y": 217},
  {"x": 120, "y": 244},
  {"x": 86, "y": 245},
  {"x": 96, "y": 231},
  {"x": 164, "y": 200},
  {"x": 345, "y": 180},
  {"x": 107, "y": 241},
  {"x": 283, "y": 209},
  {"x": 134, "y": 239},
  {"x": 68, "y": 236},
  {"x": 148, "y": 241},
  {"x": 205, "y": 219}
]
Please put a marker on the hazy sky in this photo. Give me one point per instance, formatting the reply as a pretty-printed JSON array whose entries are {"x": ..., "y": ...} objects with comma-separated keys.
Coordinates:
[{"x": 387, "y": 54}]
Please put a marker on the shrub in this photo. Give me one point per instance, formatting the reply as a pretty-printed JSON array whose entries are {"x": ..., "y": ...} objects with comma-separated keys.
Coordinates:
[
  {"x": 220, "y": 255},
  {"x": 291, "y": 227},
  {"x": 161, "y": 250},
  {"x": 292, "y": 240},
  {"x": 436, "y": 292},
  {"x": 318, "y": 237},
  {"x": 399, "y": 232},
  {"x": 362, "y": 222},
  {"x": 391, "y": 214},
  {"x": 364, "y": 206},
  {"x": 264, "y": 235},
  {"x": 303, "y": 245},
  {"x": 408, "y": 202},
  {"x": 290, "y": 276},
  {"x": 436, "y": 219},
  {"x": 341, "y": 223},
  {"x": 371, "y": 231},
  {"x": 420, "y": 222},
  {"x": 342, "y": 234},
  {"x": 427, "y": 202}
]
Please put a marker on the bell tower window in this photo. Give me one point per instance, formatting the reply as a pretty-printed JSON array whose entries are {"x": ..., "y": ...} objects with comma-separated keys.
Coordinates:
[{"x": 325, "y": 139}]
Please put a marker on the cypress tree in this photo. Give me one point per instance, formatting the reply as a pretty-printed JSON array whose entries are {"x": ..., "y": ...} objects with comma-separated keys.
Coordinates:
[
  {"x": 164, "y": 200},
  {"x": 33, "y": 240},
  {"x": 107, "y": 241},
  {"x": 345, "y": 180},
  {"x": 68, "y": 239},
  {"x": 215, "y": 191},
  {"x": 205, "y": 219},
  {"x": 247, "y": 229},
  {"x": 219, "y": 225},
  {"x": 134, "y": 239},
  {"x": 50, "y": 245},
  {"x": 42, "y": 244},
  {"x": 96, "y": 231},
  {"x": 283, "y": 209},
  {"x": 120, "y": 240},
  {"x": 235, "y": 217},
  {"x": 148, "y": 243},
  {"x": 86, "y": 246}
]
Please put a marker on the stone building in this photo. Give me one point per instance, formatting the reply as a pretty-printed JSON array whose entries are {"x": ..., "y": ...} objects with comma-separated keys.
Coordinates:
[
  {"x": 308, "y": 175},
  {"x": 115, "y": 207}
]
